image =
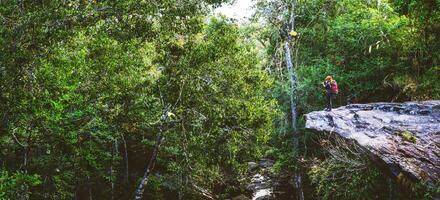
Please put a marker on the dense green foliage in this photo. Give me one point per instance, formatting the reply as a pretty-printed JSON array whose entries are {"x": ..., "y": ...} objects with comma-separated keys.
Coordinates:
[
  {"x": 14, "y": 185},
  {"x": 82, "y": 93},
  {"x": 368, "y": 46},
  {"x": 83, "y": 86},
  {"x": 376, "y": 51},
  {"x": 347, "y": 174}
]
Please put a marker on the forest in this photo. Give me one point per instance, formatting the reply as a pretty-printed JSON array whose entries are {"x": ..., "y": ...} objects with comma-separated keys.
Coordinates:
[{"x": 161, "y": 99}]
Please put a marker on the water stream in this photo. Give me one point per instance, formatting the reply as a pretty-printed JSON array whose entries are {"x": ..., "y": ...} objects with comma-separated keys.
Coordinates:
[
  {"x": 262, "y": 189},
  {"x": 261, "y": 183}
]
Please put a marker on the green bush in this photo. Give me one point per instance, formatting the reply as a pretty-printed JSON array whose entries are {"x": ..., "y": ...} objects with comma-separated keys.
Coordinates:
[
  {"x": 16, "y": 185},
  {"x": 424, "y": 191},
  {"x": 346, "y": 173}
]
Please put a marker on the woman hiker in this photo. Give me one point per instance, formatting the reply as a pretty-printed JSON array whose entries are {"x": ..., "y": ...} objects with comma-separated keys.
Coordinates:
[{"x": 331, "y": 88}]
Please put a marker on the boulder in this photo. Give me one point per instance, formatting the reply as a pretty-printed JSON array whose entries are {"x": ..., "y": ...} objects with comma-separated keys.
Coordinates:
[
  {"x": 252, "y": 166},
  {"x": 266, "y": 163},
  {"x": 405, "y": 137},
  {"x": 261, "y": 183}
]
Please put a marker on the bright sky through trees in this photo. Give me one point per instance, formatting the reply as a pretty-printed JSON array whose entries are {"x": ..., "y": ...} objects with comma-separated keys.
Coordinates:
[{"x": 240, "y": 10}]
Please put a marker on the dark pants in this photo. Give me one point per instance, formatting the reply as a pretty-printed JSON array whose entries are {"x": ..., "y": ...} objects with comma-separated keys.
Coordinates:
[{"x": 329, "y": 100}]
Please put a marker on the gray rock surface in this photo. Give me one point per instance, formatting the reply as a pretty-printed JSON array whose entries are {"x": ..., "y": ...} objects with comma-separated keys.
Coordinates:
[
  {"x": 262, "y": 182},
  {"x": 404, "y": 136},
  {"x": 252, "y": 166}
]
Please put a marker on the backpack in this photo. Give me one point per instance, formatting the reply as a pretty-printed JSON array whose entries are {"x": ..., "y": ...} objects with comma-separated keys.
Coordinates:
[{"x": 334, "y": 87}]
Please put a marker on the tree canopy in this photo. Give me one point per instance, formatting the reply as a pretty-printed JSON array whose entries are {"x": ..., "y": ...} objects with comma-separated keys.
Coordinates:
[{"x": 89, "y": 90}]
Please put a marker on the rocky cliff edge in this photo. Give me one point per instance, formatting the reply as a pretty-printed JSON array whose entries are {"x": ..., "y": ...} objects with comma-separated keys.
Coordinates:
[{"x": 404, "y": 136}]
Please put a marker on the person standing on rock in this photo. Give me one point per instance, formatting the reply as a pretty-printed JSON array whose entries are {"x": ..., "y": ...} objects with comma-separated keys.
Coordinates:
[{"x": 331, "y": 88}]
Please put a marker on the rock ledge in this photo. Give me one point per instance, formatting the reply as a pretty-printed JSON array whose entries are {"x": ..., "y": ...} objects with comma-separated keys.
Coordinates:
[{"x": 405, "y": 136}]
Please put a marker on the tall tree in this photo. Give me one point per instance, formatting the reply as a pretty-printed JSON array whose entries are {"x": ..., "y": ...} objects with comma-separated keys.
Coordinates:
[
  {"x": 291, "y": 36},
  {"x": 280, "y": 16}
]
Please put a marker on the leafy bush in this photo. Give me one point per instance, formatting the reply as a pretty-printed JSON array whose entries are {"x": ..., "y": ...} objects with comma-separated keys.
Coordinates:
[
  {"x": 426, "y": 191},
  {"x": 346, "y": 173},
  {"x": 16, "y": 185}
]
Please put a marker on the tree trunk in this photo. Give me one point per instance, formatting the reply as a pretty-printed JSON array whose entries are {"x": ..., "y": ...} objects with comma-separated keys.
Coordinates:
[
  {"x": 112, "y": 183},
  {"x": 144, "y": 181},
  {"x": 115, "y": 149},
  {"x": 140, "y": 191},
  {"x": 90, "y": 189},
  {"x": 125, "y": 159},
  {"x": 293, "y": 84},
  {"x": 90, "y": 194},
  {"x": 293, "y": 87}
]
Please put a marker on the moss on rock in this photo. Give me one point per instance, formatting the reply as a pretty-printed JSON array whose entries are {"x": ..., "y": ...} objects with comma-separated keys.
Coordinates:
[{"x": 408, "y": 136}]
